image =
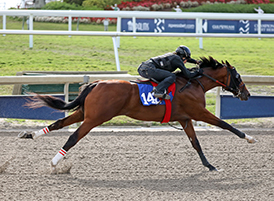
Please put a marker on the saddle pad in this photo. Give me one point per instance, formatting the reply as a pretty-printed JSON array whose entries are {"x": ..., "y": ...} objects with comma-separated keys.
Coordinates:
[{"x": 146, "y": 96}]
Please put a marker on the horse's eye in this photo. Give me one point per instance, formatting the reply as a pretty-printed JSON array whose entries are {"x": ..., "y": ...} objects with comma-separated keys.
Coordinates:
[{"x": 237, "y": 76}]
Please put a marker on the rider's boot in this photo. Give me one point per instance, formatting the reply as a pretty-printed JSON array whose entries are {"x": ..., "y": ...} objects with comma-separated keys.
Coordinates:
[{"x": 158, "y": 94}]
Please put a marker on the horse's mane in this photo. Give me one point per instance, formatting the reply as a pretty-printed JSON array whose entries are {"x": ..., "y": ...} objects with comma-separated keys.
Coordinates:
[
  {"x": 206, "y": 63},
  {"x": 210, "y": 62}
]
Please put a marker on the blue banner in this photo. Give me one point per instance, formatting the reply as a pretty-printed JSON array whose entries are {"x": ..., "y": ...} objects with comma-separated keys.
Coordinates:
[
  {"x": 189, "y": 26},
  {"x": 159, "y": 25},
  {"x": 267, "y": 27},
  {"x": 237, "y": 26},
  {"x": 255, "y": 106},
  {"x": 13, "y": 107}
]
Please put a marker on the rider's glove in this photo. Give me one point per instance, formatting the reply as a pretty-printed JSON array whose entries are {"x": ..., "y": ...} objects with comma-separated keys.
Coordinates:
[
  {"x": 198, "y": 62},
  {"x": 200, "y": 71}
]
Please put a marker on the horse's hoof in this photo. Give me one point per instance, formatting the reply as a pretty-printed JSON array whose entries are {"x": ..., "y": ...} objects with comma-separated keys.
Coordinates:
[
  {"x": 250, "y": 139},
  {"x": 24, "y": 134},
  {"x": 212, "y": 168},
  {"x": 53, "y": 169}
]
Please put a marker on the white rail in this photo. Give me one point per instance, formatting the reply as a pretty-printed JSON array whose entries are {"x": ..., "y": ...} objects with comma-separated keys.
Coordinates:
[
  {"x": 69, "y": 79},
  {"x": 62, "y": 79},
  {"x": 142, "y": 34}
]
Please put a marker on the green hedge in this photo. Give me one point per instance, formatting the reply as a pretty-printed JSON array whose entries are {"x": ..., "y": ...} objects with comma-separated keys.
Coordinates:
[
  {"x": 57, "y": 5},
  {"x": 232, "y": 8},
  {"x": 216, "y": 8},
  {"x": 100, "y": 3}
]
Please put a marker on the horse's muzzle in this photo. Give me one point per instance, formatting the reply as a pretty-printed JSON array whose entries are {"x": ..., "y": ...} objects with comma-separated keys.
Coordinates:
[{"x": 244, "y": 95}]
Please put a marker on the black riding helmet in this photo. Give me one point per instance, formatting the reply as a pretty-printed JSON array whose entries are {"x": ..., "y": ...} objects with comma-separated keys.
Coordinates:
[{"x": 183, "y": 51}]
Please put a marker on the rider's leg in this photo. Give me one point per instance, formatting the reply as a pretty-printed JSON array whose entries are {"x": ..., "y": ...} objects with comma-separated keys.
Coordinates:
[{"x": 166, "y": 78}]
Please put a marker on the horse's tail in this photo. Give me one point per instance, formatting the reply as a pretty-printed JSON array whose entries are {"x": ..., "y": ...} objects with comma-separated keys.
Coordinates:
[{"x": 56, "y": 103}]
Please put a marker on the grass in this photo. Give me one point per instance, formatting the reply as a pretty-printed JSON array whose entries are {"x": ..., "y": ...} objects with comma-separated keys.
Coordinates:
[
  {"x": 250, "y": 56},
  {"x": 83, "y": 53}
]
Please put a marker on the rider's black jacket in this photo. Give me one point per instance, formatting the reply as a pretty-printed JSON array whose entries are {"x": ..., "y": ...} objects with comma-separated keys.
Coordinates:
[{"x": 171, "y": 62}]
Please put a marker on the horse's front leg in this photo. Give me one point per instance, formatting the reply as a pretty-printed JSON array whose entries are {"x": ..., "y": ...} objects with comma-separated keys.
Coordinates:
[
  {"x": 208, "y": 117},
  {"x": 189, "y": 129}
]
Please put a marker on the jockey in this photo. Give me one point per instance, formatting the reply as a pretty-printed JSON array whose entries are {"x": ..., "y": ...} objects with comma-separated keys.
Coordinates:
[{"x": 160, "y": 68}]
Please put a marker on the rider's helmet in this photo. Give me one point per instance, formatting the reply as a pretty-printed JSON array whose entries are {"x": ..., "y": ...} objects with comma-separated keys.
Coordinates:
[{"x": 183, "y": 51}]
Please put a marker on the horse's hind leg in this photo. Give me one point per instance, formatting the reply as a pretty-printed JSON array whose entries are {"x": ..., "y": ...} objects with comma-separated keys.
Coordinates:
[
  {"x": 77, "y": 116},
  {"x": 189, "y": 129},
  {"x": 82, "y": 131}
]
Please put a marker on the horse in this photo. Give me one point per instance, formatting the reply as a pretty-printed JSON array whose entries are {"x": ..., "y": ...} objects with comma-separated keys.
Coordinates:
[{"x": 102, "y": 100}]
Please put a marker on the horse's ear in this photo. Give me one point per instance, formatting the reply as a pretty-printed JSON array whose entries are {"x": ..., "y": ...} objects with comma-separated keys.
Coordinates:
[
  {"x": 223, "y": 62},
  {"x": 228, "y": 65}
]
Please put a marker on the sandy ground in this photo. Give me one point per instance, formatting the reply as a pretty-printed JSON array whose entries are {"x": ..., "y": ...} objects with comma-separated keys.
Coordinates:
[{"x": 138, "y": 165}]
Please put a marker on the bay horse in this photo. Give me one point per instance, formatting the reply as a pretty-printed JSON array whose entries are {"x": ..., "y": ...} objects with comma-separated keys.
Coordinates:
[{"x": 100, "y": 101}]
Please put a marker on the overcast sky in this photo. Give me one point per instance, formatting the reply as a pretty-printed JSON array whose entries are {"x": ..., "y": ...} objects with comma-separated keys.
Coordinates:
[
  {"x": 9, "y": 3},
  {"x": 12, "y": 3}
]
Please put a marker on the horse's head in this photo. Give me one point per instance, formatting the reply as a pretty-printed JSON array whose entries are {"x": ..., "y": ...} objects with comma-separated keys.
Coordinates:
[
  {"x": 234, "y": 83},
  {"x": 231, "y": 79}
]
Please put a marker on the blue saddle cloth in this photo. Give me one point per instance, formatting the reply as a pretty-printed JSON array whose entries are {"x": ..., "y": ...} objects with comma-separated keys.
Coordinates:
[{"x": 146, "y": 96}]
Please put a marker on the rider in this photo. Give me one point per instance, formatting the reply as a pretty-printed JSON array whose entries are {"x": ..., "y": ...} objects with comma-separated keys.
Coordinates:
[{"x": 160, "y": 68}]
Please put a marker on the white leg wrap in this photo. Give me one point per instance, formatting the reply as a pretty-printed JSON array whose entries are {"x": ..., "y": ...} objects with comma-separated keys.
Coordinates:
[
  {"x": 250, "y": 139},
  {"x": 58, "y": 157},
  {"x": 40, "y": 133}
]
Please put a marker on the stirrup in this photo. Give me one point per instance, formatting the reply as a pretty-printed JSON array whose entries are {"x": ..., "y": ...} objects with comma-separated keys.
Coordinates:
[
  {"x": 157, "y": 94},
  {"x": 161, "y": 95},
  {"x": 166, "y": 97}
]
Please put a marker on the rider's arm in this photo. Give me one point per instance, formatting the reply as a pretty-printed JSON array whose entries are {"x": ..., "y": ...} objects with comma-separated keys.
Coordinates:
[
  {"x": 190, "y": 60},
  {"x": 180, "y": 64},
  {"x": 184, "y": 70}
]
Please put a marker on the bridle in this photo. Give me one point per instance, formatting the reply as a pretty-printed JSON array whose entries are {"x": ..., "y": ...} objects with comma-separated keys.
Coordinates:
[{"x": 233, "y": 82}]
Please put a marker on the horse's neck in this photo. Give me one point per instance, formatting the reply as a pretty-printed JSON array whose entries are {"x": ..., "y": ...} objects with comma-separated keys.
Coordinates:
[
  {"x": 218, "y": 74},
  {"x": 207, "y": 83}
]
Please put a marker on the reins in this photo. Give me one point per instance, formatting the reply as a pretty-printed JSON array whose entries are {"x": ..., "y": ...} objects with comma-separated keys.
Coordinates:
[
  {"x": 211, "y": 78},
  {"x": 225, "y": 86},
  {"x": 214, "y": 80}
]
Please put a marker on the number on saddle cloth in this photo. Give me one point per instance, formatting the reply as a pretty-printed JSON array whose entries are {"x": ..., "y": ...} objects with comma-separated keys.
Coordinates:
[{"x": 146, "y": 96}]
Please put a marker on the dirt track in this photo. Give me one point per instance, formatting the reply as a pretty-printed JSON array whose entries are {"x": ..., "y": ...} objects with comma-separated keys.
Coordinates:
[{"x": 139, "y": 166}]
